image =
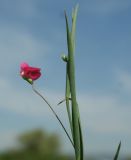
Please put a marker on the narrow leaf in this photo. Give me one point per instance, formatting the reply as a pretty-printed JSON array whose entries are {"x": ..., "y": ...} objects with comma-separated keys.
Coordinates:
[
  {"x": 67, "y": 94},
  {"x": 73, "y": 97},
  {"x": 81, "y": 141},
  {"x": 78, "y": 143},
  {"x": 74, "y": 16},
  {"x": 67, "y": 30},
  {"x": 117, "y": 152}
]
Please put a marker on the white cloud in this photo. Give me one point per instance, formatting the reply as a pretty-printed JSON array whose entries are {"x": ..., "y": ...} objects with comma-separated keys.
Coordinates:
[
  {"x": 100, "y": 113},
  {"x": 17, "y": 46},
  {"x": 105, "y": 114},
  {"x": 20, "y": 100}
]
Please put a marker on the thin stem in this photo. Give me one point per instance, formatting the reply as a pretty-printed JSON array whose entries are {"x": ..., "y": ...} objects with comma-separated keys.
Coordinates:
[{"x": 53, "y": 113}]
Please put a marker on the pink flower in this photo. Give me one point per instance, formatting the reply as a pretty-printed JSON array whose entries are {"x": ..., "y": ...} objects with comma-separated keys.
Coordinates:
[{"x": 29, "y": 73}]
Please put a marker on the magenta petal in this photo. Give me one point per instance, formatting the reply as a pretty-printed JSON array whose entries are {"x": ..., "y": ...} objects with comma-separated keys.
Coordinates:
[{"x": 24, "y": 65}]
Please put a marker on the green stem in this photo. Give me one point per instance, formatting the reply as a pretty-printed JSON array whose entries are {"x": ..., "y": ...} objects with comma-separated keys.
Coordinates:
[
  {"x": 76, "y": 125},
  {"x": 67, "y": 95},
  {"x": 53, "y": 113},
  {"x": 71, "y": 72}
]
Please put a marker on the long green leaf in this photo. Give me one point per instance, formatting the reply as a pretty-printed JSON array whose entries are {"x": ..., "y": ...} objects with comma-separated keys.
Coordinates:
[
  {"x": 73, "y": 31},
  {"x": 117, "y": 152},
  {"x": 73, "y": 92},
  {"x": 81, "y": 141},
  {"x": 74, "y": 16},
  {"x": 76, "y": 126},
  {"x": 67, "y": 95}
]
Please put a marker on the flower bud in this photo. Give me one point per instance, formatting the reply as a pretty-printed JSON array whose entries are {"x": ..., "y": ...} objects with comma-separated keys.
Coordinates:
[{"x": 64, "y": 58}]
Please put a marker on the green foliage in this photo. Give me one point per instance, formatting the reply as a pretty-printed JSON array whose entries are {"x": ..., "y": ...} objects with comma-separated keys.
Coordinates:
[
  {"x": 73, "y": 111},
  {"x": 35, "y": 145},
  {"x": 40, "y": 141}
]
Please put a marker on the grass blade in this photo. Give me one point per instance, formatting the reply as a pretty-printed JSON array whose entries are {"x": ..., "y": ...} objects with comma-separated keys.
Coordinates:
[
  {"x": 81, "y": 141},
  {"x": 73, "y": 31},
  {"x": 67, "y": 95},
  {"x": 117, "y": 152},
  {"x": 76, "y": 127}
]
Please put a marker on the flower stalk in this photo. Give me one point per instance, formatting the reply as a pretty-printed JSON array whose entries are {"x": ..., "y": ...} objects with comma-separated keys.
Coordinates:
[{"x": 39, "y": 94}]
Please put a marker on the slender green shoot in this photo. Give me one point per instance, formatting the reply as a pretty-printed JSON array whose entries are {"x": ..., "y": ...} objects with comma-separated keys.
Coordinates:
[
  {"x": 117, "y": 152},
  {"x": 71, "y": 87}
]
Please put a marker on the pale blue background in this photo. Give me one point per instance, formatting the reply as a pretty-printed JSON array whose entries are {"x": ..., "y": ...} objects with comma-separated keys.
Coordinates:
[{"x": 34, "y": 31}]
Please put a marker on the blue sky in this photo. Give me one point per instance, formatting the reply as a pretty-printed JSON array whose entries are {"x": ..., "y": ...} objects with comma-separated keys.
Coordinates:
[{"x": 34, "y": 31}]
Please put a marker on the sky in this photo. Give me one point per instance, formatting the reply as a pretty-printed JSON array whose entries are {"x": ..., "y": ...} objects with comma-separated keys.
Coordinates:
[{"x": 34, "y": 31}]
